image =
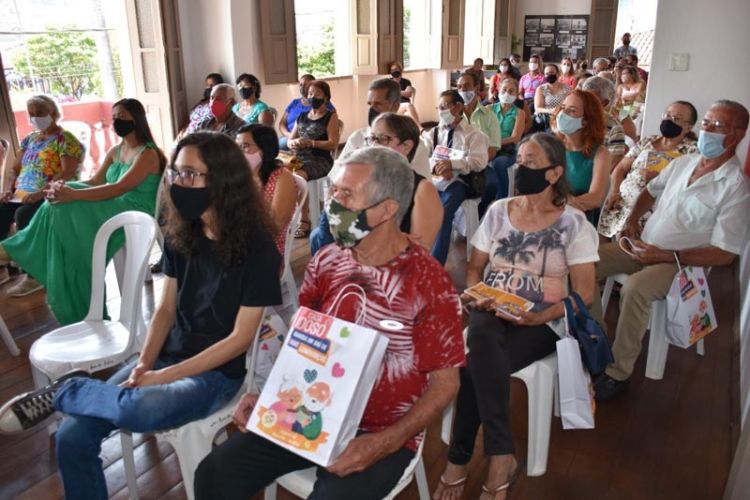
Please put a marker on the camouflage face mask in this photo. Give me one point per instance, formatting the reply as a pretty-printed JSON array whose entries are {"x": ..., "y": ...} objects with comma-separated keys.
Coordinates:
[{"x": 348, "y": 227}]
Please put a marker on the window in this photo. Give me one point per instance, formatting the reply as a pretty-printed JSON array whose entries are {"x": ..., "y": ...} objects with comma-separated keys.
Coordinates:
[
  {"x": 422, "y": 33},
  {"x": 322, "y": 31}
]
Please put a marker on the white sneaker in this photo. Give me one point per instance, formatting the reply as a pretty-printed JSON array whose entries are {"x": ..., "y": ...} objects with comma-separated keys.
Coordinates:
[{"x": 26, "y": 286}]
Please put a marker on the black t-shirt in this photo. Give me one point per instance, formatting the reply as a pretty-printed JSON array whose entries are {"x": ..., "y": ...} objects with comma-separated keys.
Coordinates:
[
  {"x": 404, "y": 83},
  {"x": 209, "y": 296}
]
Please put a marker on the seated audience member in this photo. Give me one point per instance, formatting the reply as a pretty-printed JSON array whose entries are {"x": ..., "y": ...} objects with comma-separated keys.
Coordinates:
[
  {"x": 562, "y": 250},
  {"x": 632, "y": 60},
  {"x": 222, "y": 119},
  {"x": 47, "y": 155},
  {"x": 202, "y": 109},
  {"x": 471, "y": 145},
  {"x": 624, "y": 49},
  {"x": 700, "y": 204},
  {"x": 477, "y": 69},
  {"x": 512, "y": 120},
  {"x": 503, "y": 72},
  {"x": 56, "y": 247},
  {"x": 614, "y": 139},
  {"x": 582, "y": 125},
  {"x": 313, "y": 140},
  {"x": 644, "y": 162},
  {"x": 631, "y": 92},
  {"x": 406, "y": 106},
  {"x": 221, "y": 271},
  {"x": 251, "y": 108},
  {"x": 529, "y": 82},
  {"x": 483, "y": 119},
  {"x": 295, "y": 108},
  {"x": 260, "y": 145},
  {"x": 382, "y": 97},
  {"x": 581, "y": 78},
  {"x": 567, "y": 72},
  {"x": 548, "y": 97},
  {"x": 600, "y": 64},
  {"x": 515, "y": 66},
  {"x": 418, "y": 377},
  {"x": 582, "y": 65}
]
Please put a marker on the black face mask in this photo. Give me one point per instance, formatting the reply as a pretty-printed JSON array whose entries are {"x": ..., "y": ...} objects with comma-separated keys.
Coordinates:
[
  {"x": 531, "y": 180},
  {"x": 123, "y": 127},
  {"x": 669, "y": 129},
  {"x": 246, "y": 92},
  {"x": 316, "y": 102},
  {"x": 207, "y": 93},
  {"x": 396, "y": 74},
  {"x": 371, "y": 115},
  {"x": 551, "y": 78},
  {"x": 190, "y": 202}
]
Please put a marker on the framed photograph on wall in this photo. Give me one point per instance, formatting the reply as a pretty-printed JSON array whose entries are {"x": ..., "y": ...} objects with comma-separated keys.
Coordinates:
[{"x": 555, "y": 37}]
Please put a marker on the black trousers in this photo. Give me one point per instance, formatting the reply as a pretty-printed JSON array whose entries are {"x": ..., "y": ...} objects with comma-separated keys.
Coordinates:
[
  {"x": 246, "y": 463},
  {"x": 18, "y": 211},
  {"x": 497, "y": 348}
]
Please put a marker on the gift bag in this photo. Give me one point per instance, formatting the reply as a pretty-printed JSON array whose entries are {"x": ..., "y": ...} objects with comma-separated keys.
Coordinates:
[
  {"x": 270, "y": 339},
  {"x": 690, "y": 312},
  {"x": 577, "y": 405},
  {"x": 318, "y": 388},
  {"x": 596, "y": 352}
]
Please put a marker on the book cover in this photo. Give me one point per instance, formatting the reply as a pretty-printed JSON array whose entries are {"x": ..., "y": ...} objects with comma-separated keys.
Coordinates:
[{"x": 505, "y": 302}]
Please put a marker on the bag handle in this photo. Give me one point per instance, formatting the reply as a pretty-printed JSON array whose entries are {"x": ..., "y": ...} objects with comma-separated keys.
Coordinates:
[
  {"x": 569, "y": 317},
  {"x": 677, "y": 259},
  {"x": 358, "y": 291},
  {"x": 581, "y": 305}
]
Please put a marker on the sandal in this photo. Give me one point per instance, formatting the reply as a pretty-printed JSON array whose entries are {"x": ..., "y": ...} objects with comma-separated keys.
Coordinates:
[
  {"x": 508, "y": 484},
  {"x": 303, "y": 230},
  {"x": 446, "y": 486}
]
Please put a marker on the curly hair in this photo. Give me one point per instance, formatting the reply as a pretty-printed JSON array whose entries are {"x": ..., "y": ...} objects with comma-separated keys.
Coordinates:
[
  {"x": 239, "y": 212},
  {"x": 594, "y": 120}
]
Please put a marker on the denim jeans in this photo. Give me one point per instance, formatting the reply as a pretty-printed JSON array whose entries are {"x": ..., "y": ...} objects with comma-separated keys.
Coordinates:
[
  {"x": 283, "y": 143},
  {"x": 500, "y": 165},
  {"x": 452, "y": 197},
  {"x": 96, "y": 408},
  {"x": 321, "y": 235}
]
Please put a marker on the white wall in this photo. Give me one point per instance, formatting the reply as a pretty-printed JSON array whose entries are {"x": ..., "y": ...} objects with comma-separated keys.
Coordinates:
[{"x": 547, "y": 7}]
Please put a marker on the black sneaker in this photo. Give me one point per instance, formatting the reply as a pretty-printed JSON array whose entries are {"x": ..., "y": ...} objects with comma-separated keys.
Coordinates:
[
  {"x": 32, "y": 408},
  {"x": 606, "y": 387}
]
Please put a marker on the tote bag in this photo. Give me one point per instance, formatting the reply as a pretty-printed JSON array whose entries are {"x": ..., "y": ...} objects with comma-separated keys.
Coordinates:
[{"x": 690, "y": 311}]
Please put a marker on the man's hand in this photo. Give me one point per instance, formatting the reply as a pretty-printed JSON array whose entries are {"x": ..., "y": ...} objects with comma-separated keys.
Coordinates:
[
  {"x": 444, "y": 169},
  {"x": 135, "y": 375},
  {"x": 361, "y": 453},
  {"x": 243, "y": 410},
  {"x": 648, "y": 254},
  {"x": 153, "y": 377},
  {"x": 631, "y": 229}
]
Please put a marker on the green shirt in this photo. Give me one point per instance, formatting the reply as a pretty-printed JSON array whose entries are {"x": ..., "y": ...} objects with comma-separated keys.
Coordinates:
[
  {"x": 507, "y": 120},
  {"x": 485, "y": 121}
]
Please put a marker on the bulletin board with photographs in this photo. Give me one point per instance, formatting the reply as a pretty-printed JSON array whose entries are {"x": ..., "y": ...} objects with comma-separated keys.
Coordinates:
[{"x": 555, "y": 37}]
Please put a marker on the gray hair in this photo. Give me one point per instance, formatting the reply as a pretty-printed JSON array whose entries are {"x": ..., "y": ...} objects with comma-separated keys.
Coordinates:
[
  {"x": 739, "y": 111},
  {"x": 391, "y": 176},
  {"x": 231, "y": 92},
  {"x": 46, "y": 102},
  {"x": 554, "y": 148},
  {"x": 393, "y": 90},
  {"x": 603, "y": 60},
  {"x": 601, "y": 87}
]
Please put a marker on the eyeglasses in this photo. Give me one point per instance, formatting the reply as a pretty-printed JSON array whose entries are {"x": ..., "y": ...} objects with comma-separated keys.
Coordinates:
[
  {"x": 187, "y": 177},
  {"x": 714, "y": 124},
  {"x": 382, "y": 139},
  {"x": 244, "y": 146}
]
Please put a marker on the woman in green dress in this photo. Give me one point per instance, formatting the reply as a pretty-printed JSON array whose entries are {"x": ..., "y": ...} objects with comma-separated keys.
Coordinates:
[{"x": 57, "y": 246}]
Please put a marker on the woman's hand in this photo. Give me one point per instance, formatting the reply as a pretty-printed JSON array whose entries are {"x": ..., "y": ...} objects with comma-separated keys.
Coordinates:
[
  {"x": 612, "y": 200},
  {"x": 32, "y": 198},
  {"x": 525, "y": 318},
  {"x": 243, "y": 410},
  {"x": 6, "y": 197},
  {"x": 61, "y": 194}
]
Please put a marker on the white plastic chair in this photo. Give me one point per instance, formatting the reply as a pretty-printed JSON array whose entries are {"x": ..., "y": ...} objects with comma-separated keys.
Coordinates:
[
  {"x": 94, "y": 343},
  {"x": 315, "y": 196},
  {"x": 470, "y": 209},
  {"x": 192, "y": 441},
  {"x": 287, "y": 277},
  {"x": 10, "y": 343},
  {"x": 658, "y": 346},
  {"x": 301, "y": 483}
]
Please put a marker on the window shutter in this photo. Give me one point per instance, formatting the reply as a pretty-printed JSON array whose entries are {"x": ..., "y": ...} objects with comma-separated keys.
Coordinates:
[
  {"x": 453, "y": 34},
  {"x": 364, "y": 37},
  {"x": 390, "y": 33},
  {"x": 602, "y": 28},
  {"x": 278, "y": 40}
]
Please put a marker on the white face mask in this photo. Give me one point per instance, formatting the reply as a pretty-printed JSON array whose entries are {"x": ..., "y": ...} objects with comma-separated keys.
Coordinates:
[
  {"x": 467, "y": 95},
  {"x": 504, "y": 68},
  {"x": 446, "y": 117},
  {"x": 533, "y": 66},
  {"x": 507, "y": 98},
  {"x": 41, "y": 122},
  {"x": 566, "y": 68}
]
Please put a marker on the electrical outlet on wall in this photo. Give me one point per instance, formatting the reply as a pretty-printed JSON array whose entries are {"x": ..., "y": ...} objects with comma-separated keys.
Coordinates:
[{"x": 679, "y": 61}]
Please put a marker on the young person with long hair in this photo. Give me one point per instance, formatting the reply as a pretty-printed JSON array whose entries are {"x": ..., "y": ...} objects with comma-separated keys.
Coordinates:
[{"x": 221, "y": 268}]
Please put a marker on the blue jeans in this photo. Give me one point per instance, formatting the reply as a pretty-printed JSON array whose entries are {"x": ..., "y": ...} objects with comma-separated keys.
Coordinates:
[
  {"x": 321, "y": 235},
  {"x": 283, "y": 143},
  {"x": 500, "y": 165},
  {"x": 96, "y": 408},
  {"x": 452, "y": 197}
]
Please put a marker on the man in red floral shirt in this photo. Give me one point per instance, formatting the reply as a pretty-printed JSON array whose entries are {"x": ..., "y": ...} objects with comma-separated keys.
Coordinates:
[{"x": 410, "y": 299}]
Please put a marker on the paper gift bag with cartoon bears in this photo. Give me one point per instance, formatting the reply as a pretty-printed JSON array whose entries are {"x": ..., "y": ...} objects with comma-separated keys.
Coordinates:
[
  {"x": 690, "y": 312},
  {"x": 318, "y": 388}
]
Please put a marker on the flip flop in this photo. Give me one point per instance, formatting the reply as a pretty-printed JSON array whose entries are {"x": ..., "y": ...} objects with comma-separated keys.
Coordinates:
[
  {"x": 454, "y": 484},
  {"x": 509, "y": 484}
]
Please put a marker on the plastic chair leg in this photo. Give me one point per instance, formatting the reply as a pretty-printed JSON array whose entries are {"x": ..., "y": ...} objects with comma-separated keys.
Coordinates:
[
  {"x": 190, "y": 446},
  {"x": 657, "y": 344},
  {"x": 607, "y": 293},
  {"x": 699, "y": 348},
  {"x": 270, "y": 492},
  {"x": 128, "y": 460},
  {"x": 421, "y": 476},
  {"x": 313, "y": 201},
  {"x": 540, "y": 393},
  {"x": 447, "y": 426},
  {"x": 471, "y": 213},
  {"x": 10, "y": 343}
]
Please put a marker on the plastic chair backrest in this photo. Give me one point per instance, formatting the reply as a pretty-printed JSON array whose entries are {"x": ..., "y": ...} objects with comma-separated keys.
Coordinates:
[
  {"x": 335, "y": 152},
  {"x": 140, "y": 232},
  {"x": 301, "y": 200}
]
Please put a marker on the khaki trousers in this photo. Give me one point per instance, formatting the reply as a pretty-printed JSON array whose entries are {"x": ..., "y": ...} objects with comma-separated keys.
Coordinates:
[{"x": 645, "y": 285}]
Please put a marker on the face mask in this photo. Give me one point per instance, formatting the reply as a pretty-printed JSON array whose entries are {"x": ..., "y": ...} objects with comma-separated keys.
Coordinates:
[
  {"x": 396, "y": 74},
  {"x": 218, "y": 108},
  {"x": 41, "y": 122},
  {"x": 533, "y": 66},
  {"x": 446, "y": 117},
  {"x": 189, "y": 202},
  {"x": 254, "y": 159},
  {"x": 207, "y": 93},
  {"x": 507, "y": 98},
  {"x": 246, "y": 92},
  {"x": 316, "y": 102},
  {"x": 711, "y": 144},
  {"x": 551, "y": 78},
  {"x": 566, "y": 68},
  {"x": 123, "y": 127},
  {"x": 531, "y": 180},
  {"x": 371, "y": 115},
  {"x": 503, "y": 69},
  {"x": 467, "y": 95},
  {"x": 567, "y": 124},
  {"x": 348, "y": 227},
  {"x": 669, "y": 129}
]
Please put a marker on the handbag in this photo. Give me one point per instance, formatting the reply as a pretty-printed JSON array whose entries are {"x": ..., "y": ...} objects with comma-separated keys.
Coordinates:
[
  {"x": 690, "y": 311},
  {"x": 593, "y": 342}
]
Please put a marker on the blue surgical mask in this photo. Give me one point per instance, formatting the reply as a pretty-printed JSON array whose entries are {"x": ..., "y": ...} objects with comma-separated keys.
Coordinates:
[
  {"x": 567, "y": 124},
  {"x": 711, "y": 144}
]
